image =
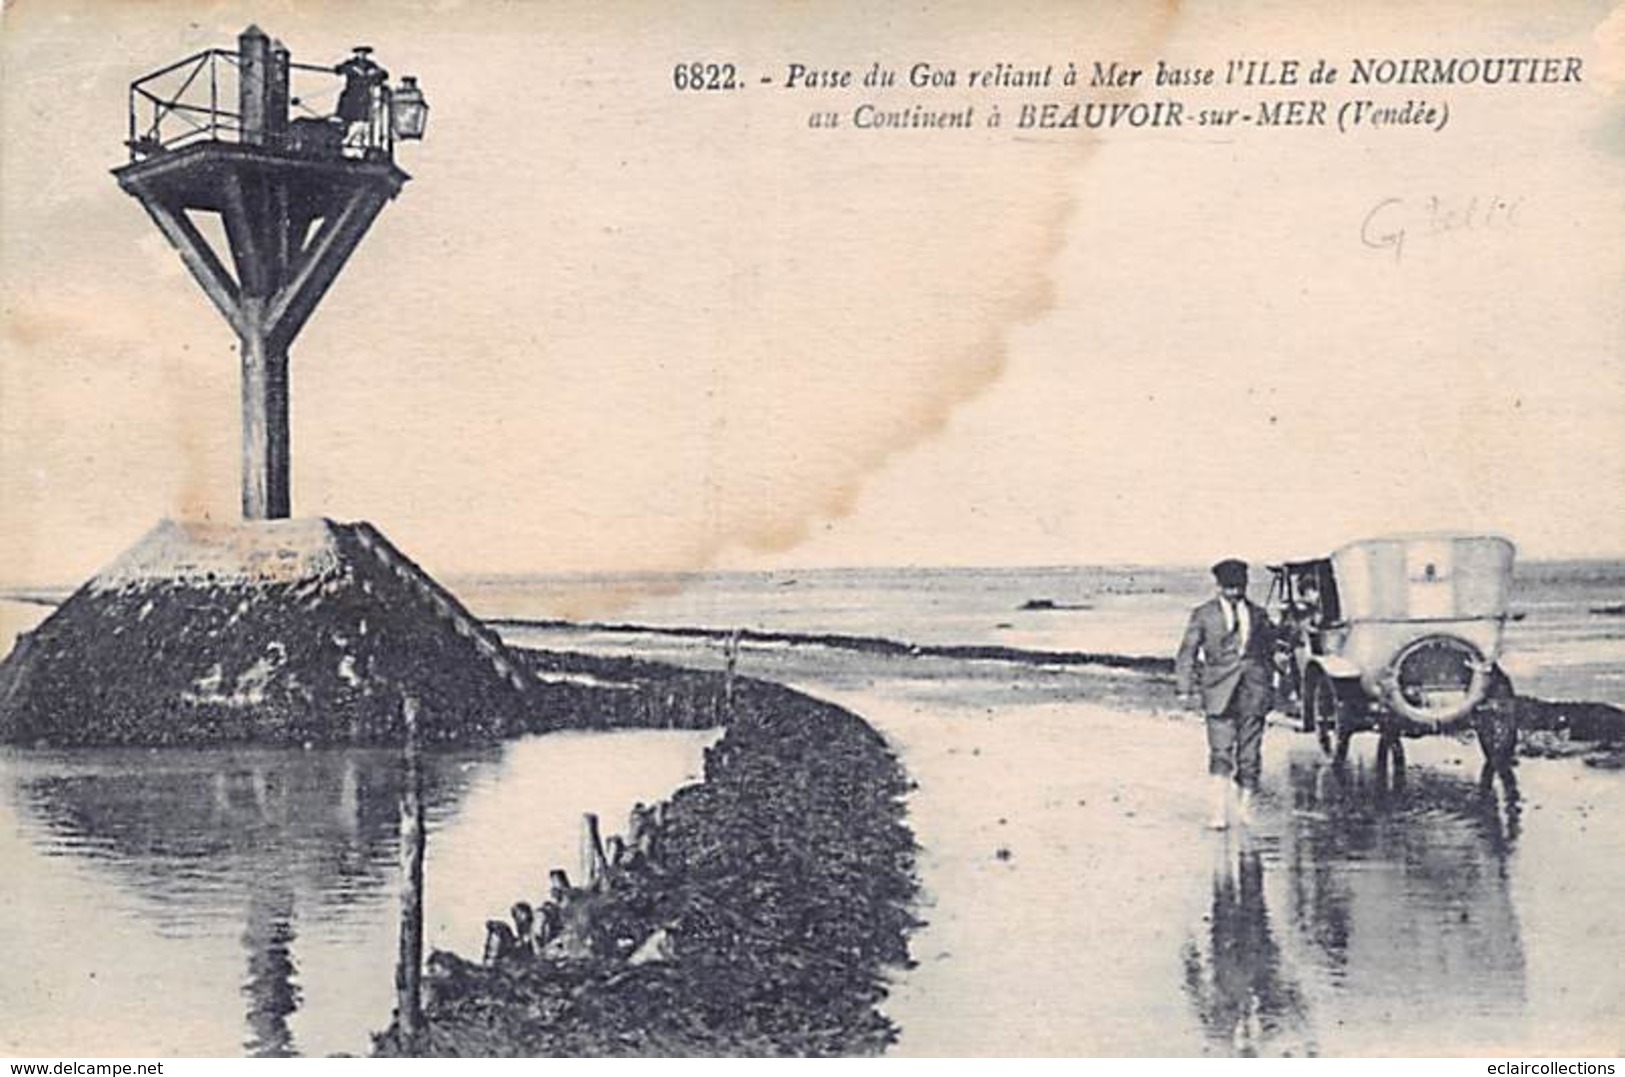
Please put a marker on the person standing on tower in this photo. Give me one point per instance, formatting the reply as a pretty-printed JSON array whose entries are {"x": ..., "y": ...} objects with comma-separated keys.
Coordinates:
[
  {"x": 1228, "y": 648},
  {"x": 360, "y": 102}
]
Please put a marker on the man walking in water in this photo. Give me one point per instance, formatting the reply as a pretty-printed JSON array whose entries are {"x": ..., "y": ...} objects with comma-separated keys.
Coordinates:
[{"x": 1227, "y": 652}]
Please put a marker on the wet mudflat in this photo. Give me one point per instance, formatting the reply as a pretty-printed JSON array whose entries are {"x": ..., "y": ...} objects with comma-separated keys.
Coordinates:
[{"x": 1076, "y": 905}]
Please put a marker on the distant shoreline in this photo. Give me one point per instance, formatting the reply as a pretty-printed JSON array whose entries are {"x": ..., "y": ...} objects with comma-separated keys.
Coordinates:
[
  {"x": 880, "y": 645},
  {"x": 49, "y": 593}
]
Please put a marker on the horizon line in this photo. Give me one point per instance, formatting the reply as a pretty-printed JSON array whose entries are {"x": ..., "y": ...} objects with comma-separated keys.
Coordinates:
[{"x": 26, "y": 591}]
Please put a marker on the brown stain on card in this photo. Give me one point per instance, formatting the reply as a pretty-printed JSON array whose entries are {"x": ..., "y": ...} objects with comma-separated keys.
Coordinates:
[
  {"x": 1027, "y": 186},
  {"x": 134, "y": 348},
  {"x": 963, "y": 374}
]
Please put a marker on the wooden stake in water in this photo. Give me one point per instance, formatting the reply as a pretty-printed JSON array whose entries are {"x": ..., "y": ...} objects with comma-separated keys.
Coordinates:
[
  {"x": 594, "y": 864},
  {"x": 409, "y": 969}
]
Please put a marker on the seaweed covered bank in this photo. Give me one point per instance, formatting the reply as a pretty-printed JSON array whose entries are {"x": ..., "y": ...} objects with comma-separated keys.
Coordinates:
[
  {"x": 290, "y": 632},
  {"x": 757, "y": 913}
]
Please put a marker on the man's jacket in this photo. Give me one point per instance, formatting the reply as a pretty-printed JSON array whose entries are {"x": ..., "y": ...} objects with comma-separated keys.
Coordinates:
[{"x": 1209, "y": 656}]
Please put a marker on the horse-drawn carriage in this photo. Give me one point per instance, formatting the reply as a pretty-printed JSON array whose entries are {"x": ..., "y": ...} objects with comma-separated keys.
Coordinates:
[{"x": 1403, "y": 636}]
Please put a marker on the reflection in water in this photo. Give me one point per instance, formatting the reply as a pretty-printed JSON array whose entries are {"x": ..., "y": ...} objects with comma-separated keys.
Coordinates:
[
  {"x": 247, "y": 896},
  {"x": 1235, "y": 977},
  {"x": 195, "y": 834},
  {"x": 270, "y": 989},
  {"x": 1398, "y": 918},
  {"x": 214, "y": 820},
  {"x": 1402, "y": 897}
]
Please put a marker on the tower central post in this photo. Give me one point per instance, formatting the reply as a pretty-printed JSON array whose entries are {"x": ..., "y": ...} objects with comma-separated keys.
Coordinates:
[
  {"x": 267, "y": 459},
  {"x": 267, "y": 453}
]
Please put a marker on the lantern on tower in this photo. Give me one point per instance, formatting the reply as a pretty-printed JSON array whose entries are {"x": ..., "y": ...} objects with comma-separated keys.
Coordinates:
[{"x": 409, "y": 112}]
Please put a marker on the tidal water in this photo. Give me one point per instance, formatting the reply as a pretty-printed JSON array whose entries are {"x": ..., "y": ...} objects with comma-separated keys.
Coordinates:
[
  {"x": 222, "y": 902},
  {"x": 245, "y": 901},
  {"x": 1075, "y": 903}
]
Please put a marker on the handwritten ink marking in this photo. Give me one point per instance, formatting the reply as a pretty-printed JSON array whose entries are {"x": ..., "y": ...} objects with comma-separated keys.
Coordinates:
[
  {"x": 1388, "y": 224},
  {"x": 1379, "y": 232}
]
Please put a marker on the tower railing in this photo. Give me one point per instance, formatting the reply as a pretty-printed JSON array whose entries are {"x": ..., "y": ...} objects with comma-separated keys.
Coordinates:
[
  {"x": 181, "y": 104},
  {"x": 193, "y": 100}
]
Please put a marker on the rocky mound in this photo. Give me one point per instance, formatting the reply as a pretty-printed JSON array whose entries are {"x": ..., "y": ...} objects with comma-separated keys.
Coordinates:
[{"x": 277, "y": 632}]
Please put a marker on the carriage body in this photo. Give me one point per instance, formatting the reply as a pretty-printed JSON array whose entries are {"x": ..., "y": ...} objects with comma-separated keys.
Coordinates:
[{"x": 1402, "y": 634}]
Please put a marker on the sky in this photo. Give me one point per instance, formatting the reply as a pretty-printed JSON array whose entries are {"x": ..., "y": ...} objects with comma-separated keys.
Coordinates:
[{"x": 610, "y": 326}]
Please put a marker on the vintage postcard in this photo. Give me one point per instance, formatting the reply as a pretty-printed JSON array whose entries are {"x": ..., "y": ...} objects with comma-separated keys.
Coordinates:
[{"x": 935, "y": 529}]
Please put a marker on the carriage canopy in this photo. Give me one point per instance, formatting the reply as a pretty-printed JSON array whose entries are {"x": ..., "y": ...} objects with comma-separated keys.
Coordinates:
[{"x": 1424, "y": 578}]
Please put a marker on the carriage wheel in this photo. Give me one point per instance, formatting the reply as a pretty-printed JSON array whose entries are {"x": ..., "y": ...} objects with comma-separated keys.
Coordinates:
[
  {"x": 1340, "y": 752},
  {"x": 1327, "y": 711},
  {"x": 1316, "y": 701},
  {"x": 1295, "y": 688}
]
